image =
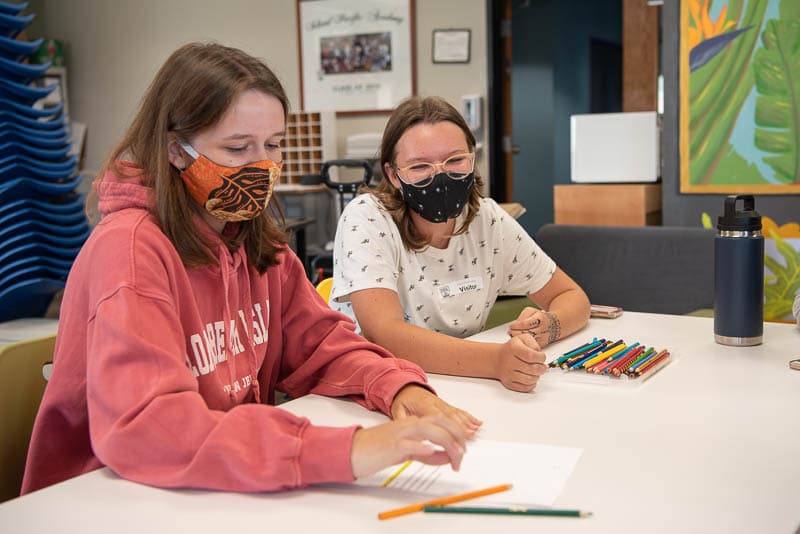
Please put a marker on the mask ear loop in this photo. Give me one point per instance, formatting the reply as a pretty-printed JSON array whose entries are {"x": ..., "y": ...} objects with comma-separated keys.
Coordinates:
[
  {"x": 400, "y": 189},
  {"x": 189, "y": 149}
]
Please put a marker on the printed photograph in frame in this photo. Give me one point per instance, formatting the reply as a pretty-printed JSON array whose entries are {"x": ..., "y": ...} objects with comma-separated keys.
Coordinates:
[
  {"x": 356, "y": 57},
  {"x": 739, "y": 96}
]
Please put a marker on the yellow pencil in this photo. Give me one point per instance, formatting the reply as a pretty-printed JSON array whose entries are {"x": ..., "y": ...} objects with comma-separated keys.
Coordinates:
[
  {"x": 604, "y": 355},
  {"x": 396, "y": 474},
  {"x": 441, "y": 501}
]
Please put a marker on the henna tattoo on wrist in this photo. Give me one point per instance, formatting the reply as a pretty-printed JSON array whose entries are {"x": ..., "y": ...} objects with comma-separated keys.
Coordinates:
[{"x": 554, "y": 329}]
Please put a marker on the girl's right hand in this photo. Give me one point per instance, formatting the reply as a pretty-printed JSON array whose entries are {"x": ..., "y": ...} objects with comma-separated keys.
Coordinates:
[
  {"x": 432, "y": 440},
  {"x": 519, "y": 362}
]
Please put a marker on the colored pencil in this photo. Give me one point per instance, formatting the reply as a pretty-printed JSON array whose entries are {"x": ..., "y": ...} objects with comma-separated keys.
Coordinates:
[
  {"x": 580, "y": 349},
  {"x": 602, "y": 366},
  {"x": 410, "y": 509},
  {"x": 639, "y": 364},
  {"x": 615, "y": 369},
  {"x": 575, "y": 352},
  {"x": 396, "y": 474},
  {"x": 512, "y": 510},
  {"x": 653, "y": 365},
  {"x": 575, "y": 361},
  {"x": 647, "y": 361},
  {"x": 639, "y": 360},
  {"x": 608, "y": 362},
  {"x": 605, "y": 354},
  {"x": 621, "y": 365},
  {"x": 625, "y": 369},
  {"x": 652, "y": 361},
  {"x": 584, "y": 348}
]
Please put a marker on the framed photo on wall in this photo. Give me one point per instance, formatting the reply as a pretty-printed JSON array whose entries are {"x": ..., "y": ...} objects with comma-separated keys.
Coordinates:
[
  {"x": 450, "y": 46},
  {"x": 356, "y": 57}
]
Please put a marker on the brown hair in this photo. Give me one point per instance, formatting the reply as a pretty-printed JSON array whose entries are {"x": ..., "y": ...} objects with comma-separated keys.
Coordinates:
[
  {"x": 410, "y": 112},
  {"x": 190, "y": 93}
]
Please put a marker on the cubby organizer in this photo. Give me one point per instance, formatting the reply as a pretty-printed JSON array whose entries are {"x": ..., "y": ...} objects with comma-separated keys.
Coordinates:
[{"x": 310, "y": 140}]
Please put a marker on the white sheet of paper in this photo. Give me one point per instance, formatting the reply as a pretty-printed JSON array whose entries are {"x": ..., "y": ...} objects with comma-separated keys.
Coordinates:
[{"x": 537, "y": 472}]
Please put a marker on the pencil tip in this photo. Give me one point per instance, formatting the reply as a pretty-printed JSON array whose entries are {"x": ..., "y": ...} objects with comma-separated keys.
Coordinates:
[{"x": 586, "y": 514}]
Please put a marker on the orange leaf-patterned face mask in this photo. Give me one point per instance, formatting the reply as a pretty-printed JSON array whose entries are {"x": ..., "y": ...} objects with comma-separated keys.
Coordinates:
[{"x": 230, "y": 193}]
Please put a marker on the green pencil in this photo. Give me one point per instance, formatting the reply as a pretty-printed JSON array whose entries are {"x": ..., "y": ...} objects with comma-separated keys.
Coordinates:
[{"x": 511, "y": 510}]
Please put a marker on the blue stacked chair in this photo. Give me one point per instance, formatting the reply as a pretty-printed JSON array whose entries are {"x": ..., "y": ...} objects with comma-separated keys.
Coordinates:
[{"x": 42, "y": 220}]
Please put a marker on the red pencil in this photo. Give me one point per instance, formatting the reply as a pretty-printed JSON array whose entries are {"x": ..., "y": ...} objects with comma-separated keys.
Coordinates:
[
  {"x": 602, "y": 366},
  {"x": 617, "y": 368},
  {"x": 614, "y": 358},
  {"x": 651, "y": 365},
  {"x": 645, "y": 361}
]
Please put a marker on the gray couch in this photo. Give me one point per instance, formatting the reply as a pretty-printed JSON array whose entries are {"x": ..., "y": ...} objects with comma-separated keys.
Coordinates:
[{"x": 650, "y": 269}]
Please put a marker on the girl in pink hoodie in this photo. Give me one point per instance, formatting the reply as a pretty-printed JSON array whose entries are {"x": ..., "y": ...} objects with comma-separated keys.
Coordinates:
[{"x": 185, "y": 311}]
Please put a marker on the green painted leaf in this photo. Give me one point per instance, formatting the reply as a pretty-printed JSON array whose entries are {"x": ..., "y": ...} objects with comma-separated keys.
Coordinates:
[
  {"x": 718, "y": 91},
  {"x": 777, "y": 73},
  {"x": 782, "y": 165},
  {"x": 773, "y": 114},
  {"x": 791, "y": 256},
  {"x": 734, "y": 169},
  {"x": 771, "y": 141},
  {"x": 780, "y": 288}
]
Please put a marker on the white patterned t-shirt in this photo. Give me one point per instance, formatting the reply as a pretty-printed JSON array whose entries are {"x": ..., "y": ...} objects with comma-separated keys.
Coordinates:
[{"x": 446, "y": 290}]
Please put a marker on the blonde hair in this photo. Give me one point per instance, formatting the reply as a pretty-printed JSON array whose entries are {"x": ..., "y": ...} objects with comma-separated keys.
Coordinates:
[
  {"x": 411, "y": 112},
  {"x": 190, "y": 93}
]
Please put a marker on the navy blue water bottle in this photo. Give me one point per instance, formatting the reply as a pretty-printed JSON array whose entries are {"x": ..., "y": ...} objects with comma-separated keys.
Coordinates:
[{"x": 739, "y": 275}]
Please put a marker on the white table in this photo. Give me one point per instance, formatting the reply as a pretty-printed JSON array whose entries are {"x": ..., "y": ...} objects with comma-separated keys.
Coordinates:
[
  {"x": 27, "y": 328},
  {"x": 709, "y": 444}
]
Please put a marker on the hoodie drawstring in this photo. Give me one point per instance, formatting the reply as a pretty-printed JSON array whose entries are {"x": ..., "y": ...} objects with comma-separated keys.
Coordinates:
[
  {"x": 252, "y": 360},
  {"x": 248, "y": 335},
  {"x": 226, "y": 270}
]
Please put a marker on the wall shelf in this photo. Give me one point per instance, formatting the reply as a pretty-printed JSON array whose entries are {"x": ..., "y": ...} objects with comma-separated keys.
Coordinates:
[{"x": 310, "y": 141}]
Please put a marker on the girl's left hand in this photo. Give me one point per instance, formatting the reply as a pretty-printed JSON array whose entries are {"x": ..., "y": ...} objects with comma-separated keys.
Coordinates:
[
  {"x": 416, "y": 400},
  {"x": 545, "y": 327}
]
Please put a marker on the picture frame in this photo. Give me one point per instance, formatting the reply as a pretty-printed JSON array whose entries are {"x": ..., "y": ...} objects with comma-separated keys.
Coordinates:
[
  {"x": 356, "y": 57},
  {"x": 734, "y": 135},
  {"x": 451, "y": 45}
]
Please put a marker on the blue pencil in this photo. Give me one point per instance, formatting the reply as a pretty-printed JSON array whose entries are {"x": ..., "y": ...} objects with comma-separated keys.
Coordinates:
[
  {"x": 584, "y": 357},
  {"x": 583, "y": 348}
]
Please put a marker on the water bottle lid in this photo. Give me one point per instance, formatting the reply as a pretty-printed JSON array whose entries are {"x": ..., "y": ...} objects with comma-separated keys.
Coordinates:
[{"x": 748, "y": 219}]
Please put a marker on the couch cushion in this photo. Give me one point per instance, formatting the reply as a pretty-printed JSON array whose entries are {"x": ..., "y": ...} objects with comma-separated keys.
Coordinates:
[{"x": 654, "y": 269}]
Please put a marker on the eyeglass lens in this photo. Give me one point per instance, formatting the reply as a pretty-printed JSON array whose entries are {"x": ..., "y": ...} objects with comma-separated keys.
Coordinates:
[{"x": 456, "y": 167}]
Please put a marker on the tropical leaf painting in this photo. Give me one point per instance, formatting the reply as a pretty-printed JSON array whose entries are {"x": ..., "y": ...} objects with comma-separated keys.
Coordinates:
[{"x": 740, "y": 96}]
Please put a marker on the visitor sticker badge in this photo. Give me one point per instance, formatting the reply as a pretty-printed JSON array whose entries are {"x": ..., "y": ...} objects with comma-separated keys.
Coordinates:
[{"x": 459, "y": 287}]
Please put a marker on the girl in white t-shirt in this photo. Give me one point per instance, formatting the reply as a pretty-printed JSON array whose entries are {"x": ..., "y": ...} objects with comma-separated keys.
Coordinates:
[{"x": 419, "y": 262}]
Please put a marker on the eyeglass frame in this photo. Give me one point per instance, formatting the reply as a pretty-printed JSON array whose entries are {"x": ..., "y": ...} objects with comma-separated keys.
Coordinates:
[{"x": 427, "y": 180}]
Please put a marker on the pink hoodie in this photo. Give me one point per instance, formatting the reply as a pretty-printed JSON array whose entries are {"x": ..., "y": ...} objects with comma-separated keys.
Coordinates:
[{"x": 164, "y": 373}]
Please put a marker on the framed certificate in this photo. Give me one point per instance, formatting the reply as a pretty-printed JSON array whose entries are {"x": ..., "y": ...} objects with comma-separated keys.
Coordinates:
[
  {"x": 356, "y": 57},
  {"x": 451, "y": 46}
]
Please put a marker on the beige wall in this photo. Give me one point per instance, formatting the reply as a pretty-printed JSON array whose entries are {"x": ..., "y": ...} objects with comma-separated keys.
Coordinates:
[{"x": 114, "y": 47}]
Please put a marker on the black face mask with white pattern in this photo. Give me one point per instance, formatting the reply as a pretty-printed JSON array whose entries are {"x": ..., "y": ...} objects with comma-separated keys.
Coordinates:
[{"x": 442, "y": 199}]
